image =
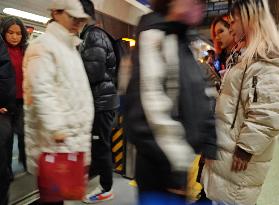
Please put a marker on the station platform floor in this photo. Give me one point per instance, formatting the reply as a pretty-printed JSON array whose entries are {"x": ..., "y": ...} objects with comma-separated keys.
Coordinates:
[
  {"x": 270, "y": 190},
  {"x": 125, "y": 194}
]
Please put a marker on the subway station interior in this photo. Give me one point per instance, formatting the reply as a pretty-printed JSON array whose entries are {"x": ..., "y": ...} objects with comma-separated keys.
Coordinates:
[{"x": 120, "y": 19}]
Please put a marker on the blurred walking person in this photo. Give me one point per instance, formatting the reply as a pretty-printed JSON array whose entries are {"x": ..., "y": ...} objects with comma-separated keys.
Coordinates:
[
  {"x": 247, "y": 109},
  {"x": 100, "y": 63},
  {"x": 168, "y": 116},
  {"x": 57, "y": 97},
  {"x": 15, "y": 35}
]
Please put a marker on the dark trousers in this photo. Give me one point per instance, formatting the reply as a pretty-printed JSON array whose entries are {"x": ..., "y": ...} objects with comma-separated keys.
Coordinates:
[
  {"x": 152, "y": 177},
  {"x": 101, "y": 163},
  {"x": 5, "y": 134},
  {"x": 18, "y": 129},
  {"x": 152, "y": 187},
  {"x": 203, "y": 199}
]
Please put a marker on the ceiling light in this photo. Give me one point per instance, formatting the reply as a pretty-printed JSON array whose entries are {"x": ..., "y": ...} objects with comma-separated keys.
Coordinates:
[{"x": 26, "y": 15}]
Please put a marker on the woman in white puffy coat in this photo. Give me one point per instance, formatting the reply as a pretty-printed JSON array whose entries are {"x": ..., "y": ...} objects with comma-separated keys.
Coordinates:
[
  {"x": 247, "y": 110},
  {"x": 57, "y": 95}
]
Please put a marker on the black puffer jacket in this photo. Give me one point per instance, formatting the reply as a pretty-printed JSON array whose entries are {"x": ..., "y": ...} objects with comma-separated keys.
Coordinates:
[
  {"x": 100, "y": 64},
  {"x": 7, "y": 79}
]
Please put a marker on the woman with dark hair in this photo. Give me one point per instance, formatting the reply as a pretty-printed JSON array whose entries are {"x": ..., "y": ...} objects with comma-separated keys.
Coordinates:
[
  {"x": 7, "y": 101},
  {"x": 222, "y": 39},
  {"x": 15, "y": 36},
  {"x": 247, "y": 109}
]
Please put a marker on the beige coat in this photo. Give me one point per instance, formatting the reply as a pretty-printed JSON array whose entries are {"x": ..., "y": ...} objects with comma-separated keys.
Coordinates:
[
  {"x": 255, "y": 130},
  {"x": 57, "y": 96}
]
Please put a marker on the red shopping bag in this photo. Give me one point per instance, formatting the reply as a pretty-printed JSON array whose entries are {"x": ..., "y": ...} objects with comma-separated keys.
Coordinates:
[{"x": 61, "y": 176}]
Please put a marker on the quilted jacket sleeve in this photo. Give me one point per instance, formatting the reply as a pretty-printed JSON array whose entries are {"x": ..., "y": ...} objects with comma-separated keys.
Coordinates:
[
  {"x": 262, "y": 110},
  {"x": 40, "y": 77}
]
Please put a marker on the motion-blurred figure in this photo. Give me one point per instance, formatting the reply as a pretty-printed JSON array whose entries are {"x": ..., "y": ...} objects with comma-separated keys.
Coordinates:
[
  {"x": 57, "y": 98},
  {"x": 247, "y": 109},
  {"x": 168, "y": 115},
  {"x": 100, "y": 64}
]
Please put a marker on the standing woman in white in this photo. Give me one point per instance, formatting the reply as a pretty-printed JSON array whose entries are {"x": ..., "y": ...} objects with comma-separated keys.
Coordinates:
[
  {"x": 247, "y": 110},
  {"x": 57, "y": 96}
]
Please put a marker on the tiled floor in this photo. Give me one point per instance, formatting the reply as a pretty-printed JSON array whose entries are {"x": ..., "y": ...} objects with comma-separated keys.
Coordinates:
[
  {"x": 270, "y": 191},
  {"x": 124, "y": 194}
]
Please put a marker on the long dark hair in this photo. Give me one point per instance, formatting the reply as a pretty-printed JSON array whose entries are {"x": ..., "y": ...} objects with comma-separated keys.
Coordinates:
[{"x": 7, "y": 22}]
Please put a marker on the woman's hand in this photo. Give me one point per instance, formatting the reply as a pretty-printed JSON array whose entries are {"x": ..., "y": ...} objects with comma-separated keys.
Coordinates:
[
  {"x": 240, "y": 160},
  {"x": 239, "y": 164}
]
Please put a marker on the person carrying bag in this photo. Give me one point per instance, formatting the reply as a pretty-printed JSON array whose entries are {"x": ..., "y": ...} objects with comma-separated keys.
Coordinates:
[{"x": 58, "y": 105}]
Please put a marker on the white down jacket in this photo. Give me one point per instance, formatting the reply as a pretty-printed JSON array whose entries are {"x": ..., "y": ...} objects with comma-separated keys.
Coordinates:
[
  {"x": 255, "y": 130},
  {"x": 57, "y": 96}
]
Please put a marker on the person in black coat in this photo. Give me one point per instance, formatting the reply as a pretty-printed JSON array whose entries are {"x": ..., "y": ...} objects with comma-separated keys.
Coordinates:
[
  {"x": 100, "y": 63},
  {"x": 7, "y": 107},
  {"x": 15, "y": 37}
]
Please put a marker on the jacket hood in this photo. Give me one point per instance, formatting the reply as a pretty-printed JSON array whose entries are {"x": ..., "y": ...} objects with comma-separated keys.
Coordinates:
[{"x": 274, "y": 61}]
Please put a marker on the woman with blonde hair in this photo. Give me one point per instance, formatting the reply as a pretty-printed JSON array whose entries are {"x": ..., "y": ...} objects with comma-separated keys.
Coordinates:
[
  {"x": 247, "y": 110},
  {"x": 14, "y": 34}
]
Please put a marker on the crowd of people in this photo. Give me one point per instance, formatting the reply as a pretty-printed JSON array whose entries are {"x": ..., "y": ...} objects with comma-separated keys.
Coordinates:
[{"x": 58, "y": 94}]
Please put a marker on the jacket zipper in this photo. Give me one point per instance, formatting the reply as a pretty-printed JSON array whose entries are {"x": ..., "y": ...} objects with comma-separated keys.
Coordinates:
[{"x": 254, "y": 85}]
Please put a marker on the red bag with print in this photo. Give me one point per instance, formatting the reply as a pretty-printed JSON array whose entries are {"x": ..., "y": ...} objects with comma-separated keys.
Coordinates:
[{"x": 61, "y": 176}]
